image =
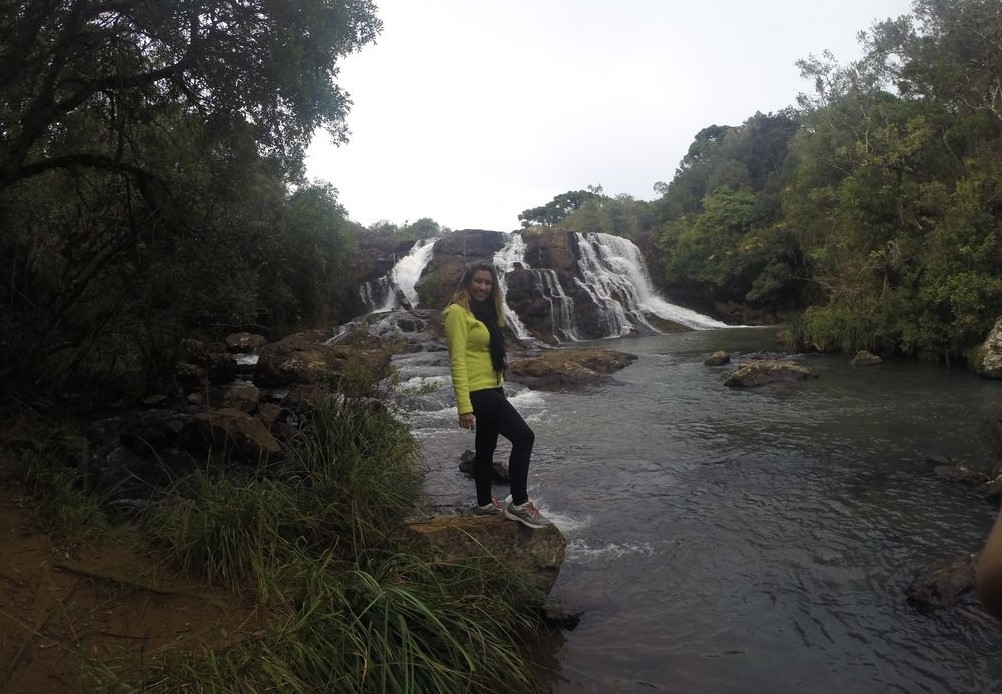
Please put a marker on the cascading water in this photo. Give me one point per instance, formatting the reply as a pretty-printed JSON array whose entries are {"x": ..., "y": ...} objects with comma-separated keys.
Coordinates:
[
  {"x": 505, "y": 261},
  {"x": 390, "y": 292},
  {"x": 561, "y": 306},
  {"x": 615, "y": 276}
]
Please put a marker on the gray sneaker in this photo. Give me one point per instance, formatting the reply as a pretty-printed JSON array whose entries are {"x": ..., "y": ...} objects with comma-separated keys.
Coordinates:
[
  {"x": 491, "y": 509},
  {"x": 526, "y": 514}
]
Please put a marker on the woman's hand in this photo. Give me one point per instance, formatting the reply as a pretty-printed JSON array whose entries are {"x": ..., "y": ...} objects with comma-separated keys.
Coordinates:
[{"x": 468, "y": 421}]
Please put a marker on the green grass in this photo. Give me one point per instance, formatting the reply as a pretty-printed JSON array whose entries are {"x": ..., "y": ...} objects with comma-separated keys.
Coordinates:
[
  {"x": 313, "y": 541},
  {"x": 44, "y": 460}
]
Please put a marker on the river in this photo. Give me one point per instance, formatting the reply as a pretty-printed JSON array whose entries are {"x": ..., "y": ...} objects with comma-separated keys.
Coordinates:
[{"x": 724, "y": 540}]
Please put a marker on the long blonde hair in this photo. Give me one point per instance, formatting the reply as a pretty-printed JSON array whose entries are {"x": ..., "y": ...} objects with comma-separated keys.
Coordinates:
[{"x": 462, "y": 294}]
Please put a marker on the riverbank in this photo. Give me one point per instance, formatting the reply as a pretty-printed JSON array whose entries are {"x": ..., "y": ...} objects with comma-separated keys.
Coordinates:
[{"x": 298, "y": 576}]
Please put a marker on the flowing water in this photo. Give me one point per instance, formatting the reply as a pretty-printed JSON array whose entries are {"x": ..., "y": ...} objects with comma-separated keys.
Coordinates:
[{"x": 724, "y": 540}]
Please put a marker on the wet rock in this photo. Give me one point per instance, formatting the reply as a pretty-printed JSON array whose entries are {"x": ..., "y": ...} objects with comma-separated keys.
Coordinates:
[
  {"x": 557, "y": 616},
  {"x": 944, "y": 584},
  {"x": 189, "y": 377},
  {"x": 244, "y": 342},
  {"x": 307, "y": 358},
  {"x": 229, "y": 432},
  {"x": 538, "y": 553},
  {"x": 569, "y": 368},
  {"x": 154, "y": 400},
  {"x": 499, "y": 467},
  {"x": 269, "y": 413},
  {"x": 762, "y": 371},
  {"x": 864, "y": 358},
  {"x": 243, "y": 397},
  {"x": 718, "y": 358},
  {"x": 220, "y": 367}
]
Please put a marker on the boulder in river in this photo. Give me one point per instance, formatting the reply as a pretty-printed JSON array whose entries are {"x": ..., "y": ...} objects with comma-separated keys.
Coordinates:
[
  {"x": 944, "y": 584},
  {"x": 718, "y": 358},
  {"x": 865, "y": 358},
  {"x": 499, "y": 467},
  {"x": 561, "y": 369},
  {"x": 759, "y": 372}
]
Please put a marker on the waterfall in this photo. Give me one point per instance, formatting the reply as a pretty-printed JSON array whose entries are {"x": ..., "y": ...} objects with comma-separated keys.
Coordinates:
[
  {"x": 561, "y": 306},
  {"x": 616, "y": 278},
  {"x": 389, "y": 292},
  {"x": 505, "y": 260}
]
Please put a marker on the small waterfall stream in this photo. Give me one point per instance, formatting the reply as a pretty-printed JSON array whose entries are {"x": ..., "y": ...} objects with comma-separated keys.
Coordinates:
[
  {"x": 616, "y": 278},
  {"x": 392, "y": 290},
  {"x": 505, "y": 260}
]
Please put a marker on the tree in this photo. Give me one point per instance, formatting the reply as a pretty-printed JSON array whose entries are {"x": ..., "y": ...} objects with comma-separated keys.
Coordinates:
[
  {"x": 148, "y": 157},
  {"x": 115, "y": 67},
  {"x": 558, "y": 208}
]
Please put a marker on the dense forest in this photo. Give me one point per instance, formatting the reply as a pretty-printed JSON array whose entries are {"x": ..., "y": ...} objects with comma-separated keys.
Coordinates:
[{"x": 152, "y": 187}]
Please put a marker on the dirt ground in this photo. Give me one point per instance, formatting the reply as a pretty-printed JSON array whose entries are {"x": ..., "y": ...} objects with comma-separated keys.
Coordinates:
[{"x": 60, "y": 608}]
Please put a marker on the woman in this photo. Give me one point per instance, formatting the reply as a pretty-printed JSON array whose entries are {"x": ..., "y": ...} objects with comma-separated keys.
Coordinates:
[{"x": 473, "y": 322}]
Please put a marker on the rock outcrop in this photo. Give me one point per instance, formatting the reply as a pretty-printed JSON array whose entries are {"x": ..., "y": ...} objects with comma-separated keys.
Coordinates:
[
  {"x": 987, "y": 359},
  {"x": 945, "y": 584},
  {"x": 718, "y": 358},
  {"x": 569, "y": 368},
  {"x": 865, "y": 358},
  {"x": 759, "y": 372},
  {"x": 536, "y": 552}
]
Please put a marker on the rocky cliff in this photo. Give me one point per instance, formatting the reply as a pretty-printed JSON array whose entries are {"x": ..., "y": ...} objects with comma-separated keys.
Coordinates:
[{"x": 562, "y": 286}]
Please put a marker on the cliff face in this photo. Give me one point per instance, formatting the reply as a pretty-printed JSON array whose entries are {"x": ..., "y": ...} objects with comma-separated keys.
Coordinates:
[{"x": 451, "y": 253}]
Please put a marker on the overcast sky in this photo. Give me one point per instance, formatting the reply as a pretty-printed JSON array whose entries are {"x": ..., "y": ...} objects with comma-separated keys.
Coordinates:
[{"x": 470, "y": 111}]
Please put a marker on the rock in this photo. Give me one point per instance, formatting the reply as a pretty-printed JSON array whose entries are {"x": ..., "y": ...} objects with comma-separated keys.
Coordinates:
[
  {"x": 268, "y": 414},
  {"x": 864, "y": 358},
  {"x": 987, "y": 360},
  {"x": 959, "y": 471},
  {"x": 189, "y": 377},
  {"x": 539, "y": 552},
  {"x": 551, "y": 249},
  {"x": 244, "y": 342},
  {"x": 500, "y": 468},
  {"x": 944, "y": 584},
  {"x": 451, "y": 253},
  {"x": 220, "y": 367},
  {"x": 762, "y": 371},
  {"x": 229, "y": 431},
  {"x": 305, "y": 398},
  {"x": 307, "y": 358},
  {"x": 243, "y": 397},
  {"x": 718, "y": 358},
  {"x": 154, "y": 400},
  {"x": 569, "y": 368},
  {"x": 994, "y": 487},
  {"x": 557, "y": 616}
]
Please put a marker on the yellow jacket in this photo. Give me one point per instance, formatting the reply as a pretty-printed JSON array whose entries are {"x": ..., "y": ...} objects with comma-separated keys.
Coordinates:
[{"x": 469, "y": 355}]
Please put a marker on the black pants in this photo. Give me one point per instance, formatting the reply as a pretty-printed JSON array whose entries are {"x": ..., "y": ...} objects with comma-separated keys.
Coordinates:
[{"x": 495, "y": 415}]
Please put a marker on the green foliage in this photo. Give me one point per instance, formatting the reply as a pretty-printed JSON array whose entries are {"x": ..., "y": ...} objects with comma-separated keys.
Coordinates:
[
  {"x": 875, "y": 204},
  {"x": 350, "y": 478},
  {"x": 394, "y": 623},
  {"x": 558, "y": 208},
  {"x": 46, "y": 462},
  {"x": 351, "y": 612},
  {"x": 145, "y": 180},
  {"x": 424, "y": 228}
]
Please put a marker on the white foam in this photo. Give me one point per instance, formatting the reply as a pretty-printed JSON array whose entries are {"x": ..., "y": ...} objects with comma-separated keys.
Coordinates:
[{"x": 612, "y": 550}]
